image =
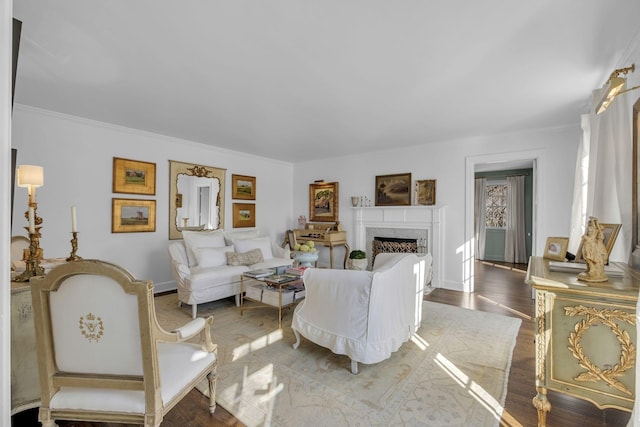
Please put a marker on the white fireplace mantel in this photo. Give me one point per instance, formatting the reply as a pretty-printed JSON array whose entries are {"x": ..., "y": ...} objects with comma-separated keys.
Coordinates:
[{"x": 430, "y": 218}]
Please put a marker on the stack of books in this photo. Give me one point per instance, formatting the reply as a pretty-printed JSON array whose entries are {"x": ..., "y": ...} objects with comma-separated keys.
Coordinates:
[
  {"x": 281, "y": 278},
  {"x": 299, "y": 271},
  {"x": 261, "y": 273}
]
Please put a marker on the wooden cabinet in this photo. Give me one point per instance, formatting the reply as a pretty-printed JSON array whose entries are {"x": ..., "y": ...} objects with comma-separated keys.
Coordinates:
[
  {"x": 329, "y": 235},
  {"x": 585, "y": 337},
  {"x": 25, "y": 386}
]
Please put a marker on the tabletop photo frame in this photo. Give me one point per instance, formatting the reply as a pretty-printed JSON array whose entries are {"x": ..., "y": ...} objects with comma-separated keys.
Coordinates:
[{"x": 556, "y": 248}]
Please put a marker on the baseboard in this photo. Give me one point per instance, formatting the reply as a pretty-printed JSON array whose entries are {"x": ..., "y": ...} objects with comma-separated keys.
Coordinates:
[{"x": 164, "y": 287}]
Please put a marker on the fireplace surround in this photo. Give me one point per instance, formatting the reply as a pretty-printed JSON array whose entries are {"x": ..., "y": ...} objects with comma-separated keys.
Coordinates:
[{"x": 422, "y": 223}]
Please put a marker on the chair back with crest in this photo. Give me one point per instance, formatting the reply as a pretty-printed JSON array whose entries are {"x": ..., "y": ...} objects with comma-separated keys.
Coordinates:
[{"x": 99, "y": 347}]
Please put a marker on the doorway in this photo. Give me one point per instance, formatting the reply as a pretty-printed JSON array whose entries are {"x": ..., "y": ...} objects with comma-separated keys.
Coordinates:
[{"x": 495, "y": 162}]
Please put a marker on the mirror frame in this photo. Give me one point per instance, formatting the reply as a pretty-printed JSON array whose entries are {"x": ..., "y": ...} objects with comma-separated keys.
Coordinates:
[{"x": 190, "y": 169}]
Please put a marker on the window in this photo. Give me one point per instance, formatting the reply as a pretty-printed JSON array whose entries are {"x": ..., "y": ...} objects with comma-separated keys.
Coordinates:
[{"x": 496, "y": 208}]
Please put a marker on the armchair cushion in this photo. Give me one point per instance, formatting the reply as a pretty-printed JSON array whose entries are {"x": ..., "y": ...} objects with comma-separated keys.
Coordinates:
[
  {"x": 212, "y": 257},
  {"x": 201, "y": 239},
  {"x": 262, "y": 243}
]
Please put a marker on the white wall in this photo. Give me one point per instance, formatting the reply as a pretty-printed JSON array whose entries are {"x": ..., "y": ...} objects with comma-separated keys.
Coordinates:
[
  {"x": 6, "y": 37},
  {"x": 77, "y": 156},
  {"x": 446, "y": 161}
]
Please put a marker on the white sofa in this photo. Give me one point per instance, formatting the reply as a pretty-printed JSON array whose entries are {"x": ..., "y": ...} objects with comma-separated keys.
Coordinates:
[
  {"x": 201, "y": 264},
  {"x": 366, "y": 315}
]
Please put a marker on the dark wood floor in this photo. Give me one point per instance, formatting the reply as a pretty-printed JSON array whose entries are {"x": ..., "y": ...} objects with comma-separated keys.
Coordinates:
[{"x": 499, "y": 289}]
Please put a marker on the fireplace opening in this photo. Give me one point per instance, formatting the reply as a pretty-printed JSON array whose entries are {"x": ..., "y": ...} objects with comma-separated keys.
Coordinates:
[{"x": 396, "y": 245}]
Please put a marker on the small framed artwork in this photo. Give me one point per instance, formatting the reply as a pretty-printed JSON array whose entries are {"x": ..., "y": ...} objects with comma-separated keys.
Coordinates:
[
  {"x": 244, "y": 215},
  {"x": 134, "y": 176},
  {"x": 556, "y": 248},
  {"x": 131, "y": 215},
  {"x": 323, "y": 202},
  {"x": 243, "y": 187},
  {"x": 393, "y": 190},
  {"x": 610, "y": 232},
  {"x": 426, "y": 192}
]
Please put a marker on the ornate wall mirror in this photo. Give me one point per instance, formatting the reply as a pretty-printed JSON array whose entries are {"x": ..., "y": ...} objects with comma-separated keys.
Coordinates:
[{"x": 196, "y": 198}]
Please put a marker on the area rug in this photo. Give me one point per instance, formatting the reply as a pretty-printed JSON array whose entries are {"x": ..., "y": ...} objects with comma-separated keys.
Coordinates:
[{"x": 453, "y": 373}]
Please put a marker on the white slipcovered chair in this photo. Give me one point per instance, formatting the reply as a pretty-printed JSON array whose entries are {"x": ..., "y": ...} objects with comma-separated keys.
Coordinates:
[
  {"x": 101, "y": 353},
  {"x": 366, "y": 315}
]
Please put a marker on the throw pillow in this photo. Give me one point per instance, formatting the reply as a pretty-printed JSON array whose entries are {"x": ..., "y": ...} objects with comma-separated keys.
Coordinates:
[
  {"x": 232, "y": 236},
  {"x": 246, "y": 258},
  {"x": 212, "y": 257},
  {"x": 262, "y": 243},
  {"x": 201, "y": 239}
]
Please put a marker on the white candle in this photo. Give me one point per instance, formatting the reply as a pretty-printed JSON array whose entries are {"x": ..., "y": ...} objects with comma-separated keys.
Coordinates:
[
  {"x": 74, "y": 227},
  {"x": 32, "y": 221}
]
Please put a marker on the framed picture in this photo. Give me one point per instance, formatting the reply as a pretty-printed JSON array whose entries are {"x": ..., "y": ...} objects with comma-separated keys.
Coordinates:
[
  {"x": 244, "y": 215},
  {"x": 323, "y": 202},
  {"x": 131, "y": 215},
  {"x": 394, "y": 190},
  {"x": 134, "y": 176},
  {"x": 426, "y": 192},
  {"x": 610, "y": 232},
  {"x": 556, "y": 248},
  {"x": 243, "y": 187}
]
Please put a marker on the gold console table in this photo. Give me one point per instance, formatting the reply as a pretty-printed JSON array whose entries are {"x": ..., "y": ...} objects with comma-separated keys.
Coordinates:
[{"x": 585, "y": 336}]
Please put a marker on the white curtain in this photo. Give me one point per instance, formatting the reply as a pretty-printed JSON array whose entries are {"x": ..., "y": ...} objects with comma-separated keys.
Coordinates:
[
  {"x": 515, "y": 246},
  {"x": 610, "y": 162},
  {"x": 580, "y": 187},
  {"x": 480, "y": 221}
]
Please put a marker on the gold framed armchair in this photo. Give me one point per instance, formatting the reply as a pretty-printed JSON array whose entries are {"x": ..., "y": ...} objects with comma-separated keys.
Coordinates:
[{"x": 102, "y": 354}]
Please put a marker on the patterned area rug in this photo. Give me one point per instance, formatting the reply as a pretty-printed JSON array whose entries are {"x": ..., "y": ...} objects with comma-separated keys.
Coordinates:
[{"x": 453, "y": 373}]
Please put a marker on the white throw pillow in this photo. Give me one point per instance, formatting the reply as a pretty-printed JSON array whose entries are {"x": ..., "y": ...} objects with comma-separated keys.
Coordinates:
[
  {"x": 212, "y": 257},
  {"x": 201, "y": 239},
  {"x": 262, "y": 243},
  {"x": 232, "y": 236}
]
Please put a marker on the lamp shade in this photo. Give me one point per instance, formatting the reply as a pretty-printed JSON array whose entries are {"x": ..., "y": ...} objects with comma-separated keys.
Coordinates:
[{"x": 30, "y": 176}]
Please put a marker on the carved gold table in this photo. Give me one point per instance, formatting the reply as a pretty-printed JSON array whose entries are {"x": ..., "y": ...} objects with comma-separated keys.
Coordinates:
[{"x": 585, "y": 336}]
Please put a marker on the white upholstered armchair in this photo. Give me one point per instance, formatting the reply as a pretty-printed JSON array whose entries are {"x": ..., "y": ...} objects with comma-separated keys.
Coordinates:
[
  {"x": 101, "y": 353},
  {"x": 366, "y": 315}
]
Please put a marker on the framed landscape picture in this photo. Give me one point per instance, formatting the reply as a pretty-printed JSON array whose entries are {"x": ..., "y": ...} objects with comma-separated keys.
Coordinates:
[
  {"x": 131, "y": 215},
  {"x": 243, "y": 187},
  {"x": 323, "y": 202},
  {"x": 134, "y": 176},
  {"x": 393, "y": 190},
  {"x": 426, "y": 192},
  {"x": 244, "y": 215}
]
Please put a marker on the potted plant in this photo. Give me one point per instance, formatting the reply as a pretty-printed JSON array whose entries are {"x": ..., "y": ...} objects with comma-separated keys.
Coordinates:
[{"x": 358, "y": 260}]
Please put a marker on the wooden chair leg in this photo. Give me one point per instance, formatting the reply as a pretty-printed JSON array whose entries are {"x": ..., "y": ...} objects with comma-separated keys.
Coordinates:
[{"x": 212, "y": 377}]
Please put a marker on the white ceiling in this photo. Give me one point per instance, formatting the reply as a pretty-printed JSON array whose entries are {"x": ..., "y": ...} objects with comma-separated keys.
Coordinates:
[{"x": 290, "y": 79}]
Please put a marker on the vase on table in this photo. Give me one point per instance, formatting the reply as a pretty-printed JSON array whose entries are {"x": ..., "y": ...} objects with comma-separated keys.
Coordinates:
[{"x": 306, "y": 259}]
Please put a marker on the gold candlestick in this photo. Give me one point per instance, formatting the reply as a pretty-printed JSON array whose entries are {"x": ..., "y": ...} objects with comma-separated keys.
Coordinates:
[
  {"x": 74, "y": 248},
  {"x": 33, "y": 267}
]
